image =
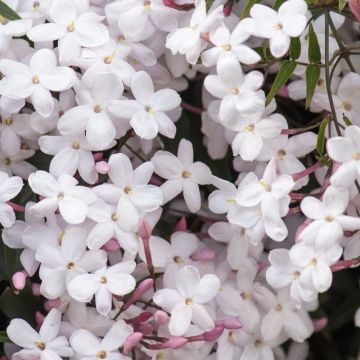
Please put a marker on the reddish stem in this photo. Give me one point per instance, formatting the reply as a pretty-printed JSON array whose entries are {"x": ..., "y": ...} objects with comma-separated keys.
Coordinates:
[
  {"x": 16, "y": 207},
  {"x": 191, "y": 108},
  {"x": 306, "y": 172}
]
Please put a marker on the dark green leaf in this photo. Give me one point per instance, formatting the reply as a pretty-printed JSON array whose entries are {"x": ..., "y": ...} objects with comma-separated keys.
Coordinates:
[
  {"x": 347, "y": 121},
  {"x": 285, "y": 71},
  {"x": 277, "y": 4},
  {"x": 246, "y": 11},
  {"x": 209, "y": 4},
  {"x": 312, "y": 76},
  {"x": 342, "y": 4},
  {"x": 295, "y": 48},
  {"x": 313, "y": 46},
  {"x": 4, "y": 338},
  {"x": 7, "y": 12},
  {"x": 321, "y": 136}
]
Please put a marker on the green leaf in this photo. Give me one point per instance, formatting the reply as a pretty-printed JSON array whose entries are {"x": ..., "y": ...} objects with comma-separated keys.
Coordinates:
[
  {"x": 246, "y": 11},
  {"x": 4, "y": 338},
  {"x": 347, "y": 121},
  {"x": 209, "y": 4},
  {"x": 285, "y": 71},
  {"x": 277, "y": 4},
  {"x": 7, "y": 12},
  {"x": 312, "y": 76},
  {"x": 320, "y": 143},
  {"x": 342, "y": 4},
  {"x": 313, "y": 46},
  {"x": 295, "y": 48}
]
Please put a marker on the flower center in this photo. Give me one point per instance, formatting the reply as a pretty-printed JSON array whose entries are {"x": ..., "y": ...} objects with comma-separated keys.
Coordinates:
[
  {"x": 40, "y": 345},
  {"x": 296, "y": 274},
  {"x": 278, "y": 307},
  {"x": 235, "y": 91},
  {"x": 186, "y": 174},
  {"x": 98, "y": 109},
  {"x": 36, "y": 6},
  {"x": 245, "y": 295},
  {"x": 114, "y": 216},
  {"x": 3, "y": 20},
  {"x": 347, "y": 105},
  {"x": 278, "y": 26},
  {"x": 189, "y": 301},
  {"x": 109, "y": 59},
  {"x": 101, "y": 355},
  {"x": 313, "y": 262},
  {"x": 76, "y": 146},
  {"x": 249, "y": 128},
  {"x": 160, "y": 356},
  {"x": 149, "y": 109},
  {"x": 231, "y": 201},
  {"x": 147, "y": 5},
  {"x": 9, "y": 121},
  {"x": 121, "y": 39},
  {"x": 281, "y": 154},
  {"x": 127, "y": 190},
  {"x": 320, "y": 82},
  {"x": 25, "y": 147},
  {"x": 71, "y": 266},
  {"x": 7, "y": 161},
  {"x": 178, "y": 259},
  {"x": 226, "y": 47},
  {"x": 61, "y": 196},
  {"x": 356, "y": 155},
  {"x": 60, "y": 236},
  {"x": 330, "y": 218},
  {"x": 35, "y": 79},
  {"x": 257, "y": 343},
  {"x": 266, "y": 186},
  {"x": 71, "y": 27},
  {"x": 103, "y": 280}
]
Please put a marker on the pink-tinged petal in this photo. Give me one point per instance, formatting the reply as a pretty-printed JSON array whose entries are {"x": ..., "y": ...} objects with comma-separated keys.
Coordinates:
[
  {"x": 207, "y": 289},
  {"x": 121, "y": 284},
  {"x": 167, "y": 165},
  {"x": 116, "y": 336},
  {"x": 51, "y": 326},
  {"x": 42, "y": 61},
  {"x": 201, "y": 173},
  {"x": 313, "y": 208},
  {"x": 121, "y": 170},
  {"x": 165, "y": 100},
  {"x": 90, "y": 34},
  {"x": 44, "y": 184},
  {"x": 167, "y": 299},
  {"x": 187, "y": 281},
  {"x": 321, "y": 277},
  {"x": 271, "y": 325},
  {"x": 83, "y": 287},
  {"x": 192, "y": 195},
  {"x": 279, "y": 44},
  {"x": 85, "y": 343},
  {"x": 201, "y": 318},
  {"x": 53, "y": 284},
  {"x": 46, "y": 32},
  {"x": 72, "y": 210},
  {"x": 125, "y": 108},
  {"x": 58, "y": 79},
  {"x": 185, "y": 152},
  {"x": 145, "y": 125},
  {"x": 335, "y": 200},
  {"x": 165, "y": 125}
]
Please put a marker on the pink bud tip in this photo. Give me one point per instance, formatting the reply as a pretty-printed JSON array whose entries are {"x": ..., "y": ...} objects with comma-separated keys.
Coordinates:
[
  {"x": 354, "y": 6},
  {"x": 52, "y": 304},
  {"x": 35, "y": 288},
  {"x": 111, "y": 245},
  {"x": 181, "y": 225},
  {"x": 144, "y": 229},
  {"x": 98, "y": 156},
  {"x": 227, "y": 10},
  {"x": 284, "y": 91},
  {"x": 102, "y": 167},
  {"x": 145, "y": 328},
  {"x": 214, "y": 333},
  {"x": 19, "y": 280},
  {"x": 39, "y": 318},
  {"x": 142, "y": 288},
  {"x": 231, "y": 323},
  {"x": 161, "y": 317},
  {"x": 131, "y": 341},
  {"x": 176, "y": 342},
  {"x": 204, "y": 254},
  {"x": 320, "y": 324}
]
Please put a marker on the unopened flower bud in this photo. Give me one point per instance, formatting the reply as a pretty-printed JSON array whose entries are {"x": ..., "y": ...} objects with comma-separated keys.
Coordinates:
[
  {"x": 131, "y": 341},
  {"x": 19, "y": 280},
  {"x": 213, "y": 334},
  {"x": 231, "y": 323},
  {"x": 181, "y": 225},
  {"x": 320, "y": 324},
  {"x": 111, "y": 245},
  {"x": 35, "y": 288},
  {"x": 204, "y": 254},
  {"x": 98, "y": 156},
  {"x": 161, "y": 317},
  {"x": 102, "y": 167},
  {"x": 354, "y": 6}
]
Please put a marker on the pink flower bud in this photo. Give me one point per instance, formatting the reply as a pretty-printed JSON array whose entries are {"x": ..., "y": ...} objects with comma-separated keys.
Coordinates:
[
  {"x": 142, "y": 317},
  {"x": 213, "y": 334},
  {"x": 181, "y": 225},
  {"x": 131, "y": 341},
  {"x": 102, "y": 167},
  {"x": 176, "y": 342},
  {"x": 204, "y": 254},
  {"x": 52, "y": 304},
  {"x": 319, "y": 324},
  {"x": 39, "y": 318},
  {"x": 161, "y": 317},
  {"x": 98, "y": 156},
  {"x": 138, "y": 293},
  {"x": 19, "y": 280},
  {"x": 354, "y": 6},
  {"x": 111, "y": 245},
  {"x": 145, "y": 328},
  {"x": 231, "y": 323},
  {"x": 35, "y": 288},
  {"x": 283, "y": 92},
  {"x": 144, "y": 229}
]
